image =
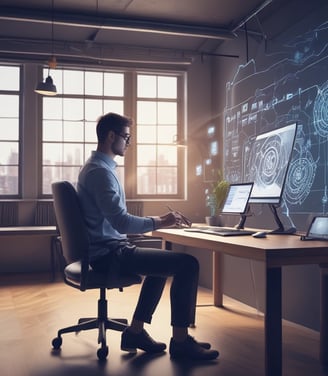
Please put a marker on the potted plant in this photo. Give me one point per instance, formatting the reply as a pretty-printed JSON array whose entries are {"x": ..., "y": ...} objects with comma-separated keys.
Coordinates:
[{"x": 215, "y": 200}]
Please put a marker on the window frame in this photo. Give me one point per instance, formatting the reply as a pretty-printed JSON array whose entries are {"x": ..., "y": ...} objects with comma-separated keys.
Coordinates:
[
  {"x": 129, "y": 109},
  {"x": 20, "y": 132}
]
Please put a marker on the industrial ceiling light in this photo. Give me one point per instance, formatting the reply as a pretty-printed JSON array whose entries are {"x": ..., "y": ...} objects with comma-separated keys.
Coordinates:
[{"x": 47, "y": 87}]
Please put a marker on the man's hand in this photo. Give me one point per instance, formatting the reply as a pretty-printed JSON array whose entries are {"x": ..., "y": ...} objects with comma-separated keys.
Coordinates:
[{"x": 172, "y": 219}]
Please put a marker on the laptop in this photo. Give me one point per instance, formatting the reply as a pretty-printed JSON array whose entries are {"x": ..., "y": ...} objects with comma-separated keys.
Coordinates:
[
  {"x": 318, "y": 229},
  {"x": 236, "y": 203}
]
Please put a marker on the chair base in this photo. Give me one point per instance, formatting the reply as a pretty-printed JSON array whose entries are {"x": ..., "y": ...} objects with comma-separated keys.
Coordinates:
[{"x": 102, "y": 323}]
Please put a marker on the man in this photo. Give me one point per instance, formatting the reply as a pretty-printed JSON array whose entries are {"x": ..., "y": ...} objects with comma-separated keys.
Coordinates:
[{"x": 103, "y": 203}]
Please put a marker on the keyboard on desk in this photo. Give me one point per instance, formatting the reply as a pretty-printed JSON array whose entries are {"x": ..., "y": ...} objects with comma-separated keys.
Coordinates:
[{"x": 220, "y": 231}]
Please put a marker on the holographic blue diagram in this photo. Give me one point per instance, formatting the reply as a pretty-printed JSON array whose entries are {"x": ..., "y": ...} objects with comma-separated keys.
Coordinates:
[{"x": 261, "y": 98}]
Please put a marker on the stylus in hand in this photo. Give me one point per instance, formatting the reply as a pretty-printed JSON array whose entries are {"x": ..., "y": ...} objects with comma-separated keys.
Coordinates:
[{"x": 185, "y": 221}]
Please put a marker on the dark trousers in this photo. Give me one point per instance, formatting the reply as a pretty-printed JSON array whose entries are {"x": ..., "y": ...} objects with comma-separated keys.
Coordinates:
[{"x": 156, "y": 265}]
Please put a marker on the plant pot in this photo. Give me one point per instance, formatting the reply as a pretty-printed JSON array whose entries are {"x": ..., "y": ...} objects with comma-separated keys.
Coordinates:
[{"x": 214, "y": 220}]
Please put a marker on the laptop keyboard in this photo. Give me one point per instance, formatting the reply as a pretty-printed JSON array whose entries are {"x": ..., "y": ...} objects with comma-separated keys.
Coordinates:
[{"x": 221, "y": 231}]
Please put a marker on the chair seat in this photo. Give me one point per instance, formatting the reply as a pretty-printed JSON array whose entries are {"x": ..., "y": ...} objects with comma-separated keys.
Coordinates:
[{"x": 95, "y": 280}]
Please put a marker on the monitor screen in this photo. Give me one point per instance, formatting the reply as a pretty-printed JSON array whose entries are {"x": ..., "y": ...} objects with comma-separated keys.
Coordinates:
[
  {"x": 237, "y": 198},
  {"x": 268, "y": 163}
]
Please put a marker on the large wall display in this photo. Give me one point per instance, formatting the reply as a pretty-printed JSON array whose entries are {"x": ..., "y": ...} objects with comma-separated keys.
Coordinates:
[{"x": 261, "y": 97}]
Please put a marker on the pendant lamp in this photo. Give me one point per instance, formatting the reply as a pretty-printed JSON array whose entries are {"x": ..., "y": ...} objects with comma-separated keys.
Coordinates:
[{"x": 47, "y": 87}]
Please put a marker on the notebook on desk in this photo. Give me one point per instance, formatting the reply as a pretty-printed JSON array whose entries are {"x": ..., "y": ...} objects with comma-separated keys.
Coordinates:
[{"x": 235, "y": 203}]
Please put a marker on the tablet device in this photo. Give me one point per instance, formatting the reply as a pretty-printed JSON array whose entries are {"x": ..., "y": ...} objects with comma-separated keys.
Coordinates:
[{"x": 318, "y": 229}]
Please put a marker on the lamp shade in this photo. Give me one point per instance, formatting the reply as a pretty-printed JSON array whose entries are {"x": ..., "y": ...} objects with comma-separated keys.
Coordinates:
[{"x": 47, "y": 87}]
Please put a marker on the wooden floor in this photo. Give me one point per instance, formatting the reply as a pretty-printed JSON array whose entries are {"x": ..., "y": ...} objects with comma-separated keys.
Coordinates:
[{"x": 32, "y": 309}]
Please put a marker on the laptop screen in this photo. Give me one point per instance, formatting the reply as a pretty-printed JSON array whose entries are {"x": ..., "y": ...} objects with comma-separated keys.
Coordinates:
[
  {"x": 237, "y": 198},
  {"x": 319, "y": 228}
]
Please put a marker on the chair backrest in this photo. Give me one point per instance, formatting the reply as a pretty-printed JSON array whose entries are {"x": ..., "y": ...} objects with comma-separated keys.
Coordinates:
[{"x": 70, "y": 221}]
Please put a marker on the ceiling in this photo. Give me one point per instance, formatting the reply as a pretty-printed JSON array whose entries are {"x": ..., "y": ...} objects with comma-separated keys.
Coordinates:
[{"x": 102, "y": 31}]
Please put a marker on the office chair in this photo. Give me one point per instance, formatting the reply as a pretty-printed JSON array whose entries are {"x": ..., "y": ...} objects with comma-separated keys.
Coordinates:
[{"x": 78, "y": 273}]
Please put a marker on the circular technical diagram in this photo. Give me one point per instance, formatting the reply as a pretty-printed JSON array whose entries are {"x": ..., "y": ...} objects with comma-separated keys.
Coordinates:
[
  {"x": 320, "y": 112},
  {"x": 269, "y": 161},
  {"x": 299, "y": 180}
]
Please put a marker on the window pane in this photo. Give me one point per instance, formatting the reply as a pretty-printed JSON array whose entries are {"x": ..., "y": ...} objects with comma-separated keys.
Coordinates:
[
  {"x": 8, "y": 153},
  {"x": 147, "y": 86},
  {"x": 9, "y": 180},
  {"x": 73, "y": 82},
  {"x": 51, "y": 153},
  {"x": 9, "y": 78},
  {"x": 73, "y": 131},
  {"x": 167, "y": 87},
  {"x": 113, "y": 106},
  {"x": 167, "y": 155},
  {"x": 49, "y": 175},
  {"x": 120, "y": 174},
  {"x": 146, "y": 155},
  {"x": 72, "y": 109},
  {"x": 146, "y": 183},
  {"x": 114, "y": 84},
  {"x": 9, "y": 129},
  {"x": 167, "y": 134},
  {"x": 167, "y": 113},
  {"x": 9, "y": 105},
  {"x": 93, "y": 83},
  {"x": 93, "y": 109},
  {"x": 146, "y": 134},
  {"x": 88, "y": 148},
  {"x": 73, "y": 154},
  {"x": 147, "y": 112},
  {"x": 166, "y": 180},
  {"x": 90, "y": 132},
  {"x": 71, "y": 174},
  {"x": 52, "y": 130},
  {"x": 52, "y": 108}
]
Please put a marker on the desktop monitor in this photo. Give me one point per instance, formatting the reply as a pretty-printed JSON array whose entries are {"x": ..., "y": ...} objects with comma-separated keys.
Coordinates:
[
  {"x": 237, "y": 198},
  {"x": 269, "y": 160}
]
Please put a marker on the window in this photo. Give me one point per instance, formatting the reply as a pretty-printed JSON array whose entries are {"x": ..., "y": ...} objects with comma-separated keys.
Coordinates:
[
  {"x": 69, "y": 120},
  {"x": 154, "y": 165},
  {"x": 9, "y": 130},
  {"x": 157, "y": 128}
]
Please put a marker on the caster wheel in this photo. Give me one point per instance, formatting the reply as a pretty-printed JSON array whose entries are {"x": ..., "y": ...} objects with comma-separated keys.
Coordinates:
[
  {"x": 57, "y": 342},
  {"x": 102, "y": 353}
]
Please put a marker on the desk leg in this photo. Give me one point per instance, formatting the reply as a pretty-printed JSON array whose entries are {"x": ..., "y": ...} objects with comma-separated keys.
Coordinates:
[
  {"x": 273, "y": 326},
  {"x": 324, "y": 315},
  {"x": 217, "y": 279},
  {"x": 166, "y": 245}
]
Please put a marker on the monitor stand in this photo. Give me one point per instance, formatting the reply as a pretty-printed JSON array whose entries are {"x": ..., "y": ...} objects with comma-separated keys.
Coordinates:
[
  {"x": 243, "y": 218},
  {"x": 281, "y": 229}
]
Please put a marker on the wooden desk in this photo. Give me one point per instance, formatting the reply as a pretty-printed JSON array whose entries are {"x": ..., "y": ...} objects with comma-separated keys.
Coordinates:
[
  {"x": 28, "y": 230},
  {"x": 275, "y": 251},
  {"x": 36, "y": 231}
]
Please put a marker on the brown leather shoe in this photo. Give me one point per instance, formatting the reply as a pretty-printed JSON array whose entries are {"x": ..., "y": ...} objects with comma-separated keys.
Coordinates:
[
  {"x": 131, "y": 342},
  {"x": 191, "y": 349}
]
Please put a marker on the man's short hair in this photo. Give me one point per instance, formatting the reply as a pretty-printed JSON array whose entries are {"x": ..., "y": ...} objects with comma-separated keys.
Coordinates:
[{"x": 111, "y": 122}]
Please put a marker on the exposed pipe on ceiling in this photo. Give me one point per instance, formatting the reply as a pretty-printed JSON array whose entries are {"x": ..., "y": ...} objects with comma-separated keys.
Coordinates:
[
  {"x": 252, "y": 14},
  {"x": 112, "y": 23}
]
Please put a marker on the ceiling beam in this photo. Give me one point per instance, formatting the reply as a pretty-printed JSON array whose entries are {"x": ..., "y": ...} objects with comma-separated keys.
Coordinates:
[{"x": 114, "y": 23}]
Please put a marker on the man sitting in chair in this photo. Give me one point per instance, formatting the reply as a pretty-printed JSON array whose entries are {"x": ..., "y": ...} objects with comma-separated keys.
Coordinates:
[{"x": 103, "y": 203}]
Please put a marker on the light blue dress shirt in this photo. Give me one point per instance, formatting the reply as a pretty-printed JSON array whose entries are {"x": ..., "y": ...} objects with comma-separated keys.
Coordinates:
[{"x": 103, "y": 203}]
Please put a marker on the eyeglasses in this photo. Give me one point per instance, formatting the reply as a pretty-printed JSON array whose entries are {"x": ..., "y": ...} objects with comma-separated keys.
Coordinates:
[{"x": 126, "y": 137}]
